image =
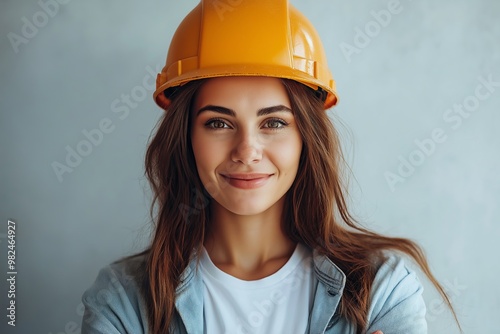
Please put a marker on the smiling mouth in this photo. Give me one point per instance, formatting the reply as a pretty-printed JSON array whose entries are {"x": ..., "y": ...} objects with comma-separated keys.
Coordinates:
[{"x": 247, "y": 181}]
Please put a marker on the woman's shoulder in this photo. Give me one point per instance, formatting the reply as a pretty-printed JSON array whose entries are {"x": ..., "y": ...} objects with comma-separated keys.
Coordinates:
[
  {"x": 126, "y": 274},
  {"x": 391, "y": 262},
  {"x": 396, "y": 296},
  {"x": 394, "y": 274},
  {"x": 114, "y": 303}
]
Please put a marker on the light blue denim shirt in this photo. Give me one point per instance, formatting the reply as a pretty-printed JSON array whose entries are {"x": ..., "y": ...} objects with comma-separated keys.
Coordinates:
[{"x": 113, "y": 304}]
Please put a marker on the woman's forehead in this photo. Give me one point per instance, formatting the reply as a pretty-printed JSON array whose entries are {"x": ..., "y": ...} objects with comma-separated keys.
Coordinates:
[{"x": 242, "y": 92}]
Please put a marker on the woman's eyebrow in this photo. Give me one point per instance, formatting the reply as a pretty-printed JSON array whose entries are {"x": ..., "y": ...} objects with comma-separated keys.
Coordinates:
[
  {"x": 230, "y": 112},
  {"x": 270, "y": 110},
  {"x": 218, "y": 109}
]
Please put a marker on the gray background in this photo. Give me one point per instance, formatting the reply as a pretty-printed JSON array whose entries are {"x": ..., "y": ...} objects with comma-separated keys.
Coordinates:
[{"x": 393, "y": 91}]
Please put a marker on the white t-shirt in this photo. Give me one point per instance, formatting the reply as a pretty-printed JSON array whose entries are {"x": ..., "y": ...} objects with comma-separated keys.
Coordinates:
[{"x": 279, "y": 303}]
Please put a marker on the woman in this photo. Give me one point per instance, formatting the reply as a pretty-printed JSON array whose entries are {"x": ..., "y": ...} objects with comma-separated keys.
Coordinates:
[{"x": 252, "y": 232}]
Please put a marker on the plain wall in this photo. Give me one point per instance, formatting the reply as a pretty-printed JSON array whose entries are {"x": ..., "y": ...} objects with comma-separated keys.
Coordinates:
[{"x": 398, "y": 85}]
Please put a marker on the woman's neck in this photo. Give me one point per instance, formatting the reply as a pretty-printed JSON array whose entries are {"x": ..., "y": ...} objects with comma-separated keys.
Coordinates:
[{"x": 248, "y": 247}]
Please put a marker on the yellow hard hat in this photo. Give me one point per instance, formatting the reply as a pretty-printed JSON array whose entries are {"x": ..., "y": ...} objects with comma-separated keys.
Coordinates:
[{"x": 245, "y": 38}]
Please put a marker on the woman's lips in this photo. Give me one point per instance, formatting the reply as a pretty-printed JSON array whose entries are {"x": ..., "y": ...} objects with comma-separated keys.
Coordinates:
[{"x": 247, "y": 181}]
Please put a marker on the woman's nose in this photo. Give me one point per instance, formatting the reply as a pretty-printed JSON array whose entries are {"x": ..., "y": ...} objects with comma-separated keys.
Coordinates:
[{"x": 248, "y": 149}]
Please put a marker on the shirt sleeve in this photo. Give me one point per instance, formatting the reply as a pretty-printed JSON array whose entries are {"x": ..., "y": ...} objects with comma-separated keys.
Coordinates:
[
  {"x": 112, "y": 304},
  {"x": 397, "y": 305}
]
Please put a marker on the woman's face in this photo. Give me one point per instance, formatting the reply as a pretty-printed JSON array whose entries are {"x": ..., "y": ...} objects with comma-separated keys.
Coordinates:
[{"x": 245, "y": 141}]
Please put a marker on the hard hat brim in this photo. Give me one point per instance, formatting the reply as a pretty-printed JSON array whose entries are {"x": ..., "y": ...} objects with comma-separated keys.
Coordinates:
[{"x": 246, "y": 70}]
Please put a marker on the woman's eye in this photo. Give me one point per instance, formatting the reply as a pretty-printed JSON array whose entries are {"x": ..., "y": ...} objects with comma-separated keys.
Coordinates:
[
  {"x": 216, "y": 124},
  {"x": 275, "y": 124}
]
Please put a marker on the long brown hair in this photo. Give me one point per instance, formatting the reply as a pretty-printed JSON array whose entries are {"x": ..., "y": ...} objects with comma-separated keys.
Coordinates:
[{"x": 180, "y": 209}]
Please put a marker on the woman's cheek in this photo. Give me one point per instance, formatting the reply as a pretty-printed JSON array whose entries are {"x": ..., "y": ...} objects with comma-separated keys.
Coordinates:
[{"x": 287, "y": 149}]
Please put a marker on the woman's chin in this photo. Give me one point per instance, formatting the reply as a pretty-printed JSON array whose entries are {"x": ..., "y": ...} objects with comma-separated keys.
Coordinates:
[{"x": 246, "y": 207}]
